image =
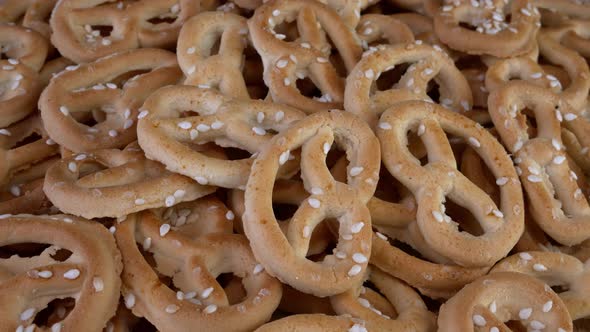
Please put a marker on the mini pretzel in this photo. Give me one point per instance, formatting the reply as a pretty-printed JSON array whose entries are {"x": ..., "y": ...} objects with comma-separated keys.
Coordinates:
[
  {"x": 166, "y": 133},
  {"x": 545, "y": 170},
  {"x": 440, "y": 178},
  {"x": 427, "y": 63},
  {"x": 314, "y": 322},
  {"x": 23, "y": 45},
  {"x": 193, "y": 265},
  {"x": 329, "y": 199},
  {"x": 494, "y": 299},
  {"x": 224, "y": 69},
  {"x": 555, "y": 269},
  {"x": 493, "y": 35},
  {"x": 309, "y": 55},
  {"x": 19, "y": 91},
  {"x": 412, "y": 312},
  {"x": 90, "y": 275},
  {"x": 81, "y": 185},
  {"x": 73, "y": 23},
  {"x": 104, "y": 90}
]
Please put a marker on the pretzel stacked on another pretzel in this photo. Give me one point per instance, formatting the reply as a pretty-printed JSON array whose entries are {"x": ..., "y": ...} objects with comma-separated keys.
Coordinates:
[{"x": 295, "y": 165}]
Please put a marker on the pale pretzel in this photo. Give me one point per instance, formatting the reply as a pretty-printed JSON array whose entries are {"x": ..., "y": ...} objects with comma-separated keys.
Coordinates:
[
  {"x": 23, "y": 45},
  {"x": 494, "y": 299},
  {"x": 440, "y": 178},
  {"x": 314, "y": 322},
  {"x": 223, "y": 70},
  {"x": 19, "y": 91},
  {"x": 90, "y": 275},
  {"x": 166, "y": 133},
  {"x": 193, "y": 264},
  {"x": 427, "y": 64},
  {"x": 376, "y": 27},
  {"x": 309, "y": 55},
  {"x": 104, "y": 91},
  {"x": 557, "y": 202},
  {"x": 114, "y": 183},
  {"x": 73, "y": 23},
  {"x": 284, "y": 256},
  {"x": 412, "y": 314},
  {"x": 35, "y": 14},
  {"x": 431, "y": 279},
  {"x": 492, "y": 35},
  {"x": 555, "y": 269}
]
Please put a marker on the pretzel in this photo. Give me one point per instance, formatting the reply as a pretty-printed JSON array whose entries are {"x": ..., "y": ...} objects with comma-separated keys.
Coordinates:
[
  {"x": 545, "y": 168},
  {"x": 375, "y": 27},
  {"x": 23, "y": 45},
  {"x": 412, "y": 312},
  {"x": 572, "y": 9},
  {"x": 485, "y": 304},
  {"x": 224, "y": 69},
  {"x": 104, "y": 91},
  {"x": 19, "y": 91},
  {"x": 315, "y": 134},
  {"x": 193, "y": 270},
  {"x": 114, "y": 183},
  {"x": 166, "y": 133},
  {"x": 550, "y": 46},
  {"x": 90, "y": 275},
  {"x": 521, "y": 68},
  {"x": 314, "y": 322},
  {"x": 35, "y": 14},
  {"x": 555, "y": 269},
  {"x": 309, "y": 55},
  {"x": 491, "y": 34},
  {"x": 363, "y": 98},
  {"x": 440, "y": 178},
  {"x": 77, "y": 26}
]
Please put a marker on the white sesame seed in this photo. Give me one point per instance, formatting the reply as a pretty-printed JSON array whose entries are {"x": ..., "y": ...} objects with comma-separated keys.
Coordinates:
[
  {"x": 27, "y": 314},
  {"x": 13, "y": 61},
  {"x": 493, "y": 307},
  {"x": 354, "y": 270},
  {"x": 143, "y": 114},
  {"x": 421, "y": 129},
  {"x": 279, "y": 116},
  {"x": 518, "y": 145},
  {"x": 359, "y": 258},
  {"x": 171, "y": 308},
  {"x": 479, "y": 320},
  {"x": 558, "y": 160},
  {"x": 276, "y": 12},
  {"x": 113, "y": 133},
  {"x": 539, "y": 267},
  {"x": 203, "y": 127},
  {"x": 5, "y": 132},
  {"x": 525, "y": 12},
  {"x": 98, "y": 284},
  {"x": 184, "y": 125},
  {"x": 498, "y": 213},
  {"x": 46, "y": 274},
  {"x": 216, "y": 125},
  {"x": 438, "y": 216},
  {"x": 536, "y": 75},
  {"x": 314, "y": 202},
  {"x": 72, "y": 166},
  {"x": 259, "y": 131},
  {"x": 229, "y": 215},
  {"x": 465, "y": 105},
  {"x": 317, "y": 191},
  {"x": 321, "y": 60},
  {"x": 147, "y": 243},
  {"x": 306, "y": 232},
  {"x": 535, "y": 324},
  {"x": 282, "y": 63},
  {"x": 64, "y": 110},
  {"x": 258, "y": 268},
  {"x": 556, "y": 144},
  {"x": 384, "y": 125},
  {"x": 305, "y": 45},
  {"x": 494, "y": 329},
  {"x": 381, "y": 236},
  {"x": 570, "y": 116},
  {"x": 201, "y": 180},
  {"x": 207, "y": 292},
  {"x": 169, "y": 201},
  {"x": 525, "y": 313},
  {"x": 191, "y": 50},
  {"x": 534, "y": 178},
  {"x": 502, "y": 181},
  {"x": 57, "y": 327},
  {"x": 354, "y": 171},
  {"x": 164, "y": 229},
  {"x": 474, "y": 142},
  {"x": 357, "y": 227},
  {"x": 369, "y": 73},
  {"x": 364, "y": 302},
  {"x": 129, "y": 300},
  {"x": 210, "y": 309},
  {"x": 7, "y": 67},
  {"x": 72, "y": 274},
  {"x": 547, "y": 306},
  {"x": 139, "y": 201},
  {"x": 106, "y": 42},
  {"x": 326, "y": 147}
]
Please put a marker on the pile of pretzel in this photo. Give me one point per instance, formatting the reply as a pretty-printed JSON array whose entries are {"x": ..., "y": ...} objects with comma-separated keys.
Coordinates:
[{"x": 294, "y": 165}]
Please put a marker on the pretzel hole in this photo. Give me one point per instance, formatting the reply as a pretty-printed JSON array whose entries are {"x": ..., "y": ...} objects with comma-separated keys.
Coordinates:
[
  {"x": 284, "y": 211},
  {"x": 388, "y": 187},
  {"x": 55, "y": 311},
  {"x": 466, "y": 221},
  {"x": 234, "y": 153},
  {"x": 389, "y": 78},
  {"x": 122, "y": 79},
  {"x": 308, "y": 89},
  {"x": 33, "y": 137},
  {"x": 287, "y": 29},
  {"x": 22, "y": 250},
  {"x": 336, "y": 59},
  {"x": 433, "y": 91},
  {"x": 233, "y": 286}
]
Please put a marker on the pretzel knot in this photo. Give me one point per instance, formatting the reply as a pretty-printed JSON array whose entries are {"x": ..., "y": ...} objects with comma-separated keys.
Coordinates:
[
  {"x": 309, "y": 54},
  {"x": 107, "y": 91},
  {"x": 492, "y": 35},
  {"x": 484, "y": 304},
  {"x": 363, "y": 97},
  {"x": 193, "y": 265},
  {"x": 90, "y": 275},
  {"x": 432, "y": 183},
  {"x": 557, "y": 202},
  {"x": 170, "y": 129},
  {"x": 223, "y": 70},
  {"x": 283, "y": 255},
  {"x": 87, "y": 30},
  {"x": 412, "y": 314},
  {"x": 114, "y": 183}
]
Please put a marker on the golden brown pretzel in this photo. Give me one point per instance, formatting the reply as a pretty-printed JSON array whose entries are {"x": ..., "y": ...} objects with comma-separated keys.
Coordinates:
[
  {"x": 192, "y": 264},
  {"x": 285, "y": 256},
  {"x": 309, "y": 55},
  {"x": 494, "y": 299},
  {"x": 114, "y": 183},
  {"x": 77, "y": 26},
  {"x": 492, "y": 35},
  {"x": 557, "y": 202},
  {"x": 169, "y": 127},
  {"x": 90, "y": 274},
  {"x": 107, "y": 90},
  {"x": 432, "y": 183}
]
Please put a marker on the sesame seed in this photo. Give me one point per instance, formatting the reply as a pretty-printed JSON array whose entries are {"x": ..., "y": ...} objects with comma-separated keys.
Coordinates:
[
  {"x": 282, "y": 63},
  {"x": 64, "y": 110},
  {"x": 535, "y": 324},
  {"x": 171, "y": 308},
  {"x": 494, "y": 329},
  {"x": 139, "y": 201},
  {"x": 164, "y": 229},
  {"x": 203, "y": 127},
  {"x": 46, "y": 274},
  {"x": 169, "y": 201},
  {"x": 314, "y": 202},
  {"x": 364, "y": 302},
  {"x": 27, "y": 314},
  {"x": 5, "y": 132},
  {"x": 525, "y": 12},
  {"x": 106, "y": 42},
  {"x": 369, "y": 73},
  {"x": 381, "y": 236},
  {"x": 326, "y": 147},
  {"x": 210, "y": 309},
  {"x": 384, "y": 125},
  {"x": 570, "y": 117},
  {"x": 465, "y": 105},
  {"x": 72, "y": 274},
  {"x": 534, "y": 178},
  {"x": 354, "y": 171},
  {"x": 317, "y": 191},
  {"x": 229, "y": 215},
  {"x": 286, "y": 81},
  {"x": 147, "y": 243},
  {"x": 276, "y": 12},
  {"x": 359, "y": 258},
  {"x": 525, "y": 256},
  {"x": 7, "y": 67},
  {"x": 129, "y": 300},
  {"x": 191, "y": 70},
  {"x": 258, "y": 268},
  {"x": 306, "y": 232},
  {"x": 479, "y": 320},
  {"x": 98, "y": 284},
  {"x": 13, "y": 61},
  {"x": 279, "y": 116},
  {"x": 280, "y": 36},
  {"x": 438, "y": 216},
  {"x": 184, "y": 125},
  {"x": 525, "y": 313},
  {"x": 72, "y": 166},
  {"x": 502, "y": 181},
  {"x": 547, "y": 306},
  {"x": 201, "y": 180},
  {"x": 305, "y": 45},
  {"x": 421, "y": 129},
  {"x": 539, "y": 267},
  {"x": 284, "y": 157},
  {"x": 357, "y": 227},
  {"x": 113, "y": 133},
  {"x": 217, "y": 125},
  {"x": 427, "y": 72},
  {"x": 537, "y": 75},
  {"x": 493, "y": 307},
  {"x": 259, "y": 131},
  {"x": 498, "y": 213},
  {"x": 191, "y": 50},
  {"x": 556, "y": 144},
  {"x": 354, "y": 270},
  {"x": 321, "y": 60},
  {"x": 143, "y": 114},
  {"x": 474, "y": 142},
  {"x": 558, "y": 160},
  {"x": 207, "y": 292}
]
